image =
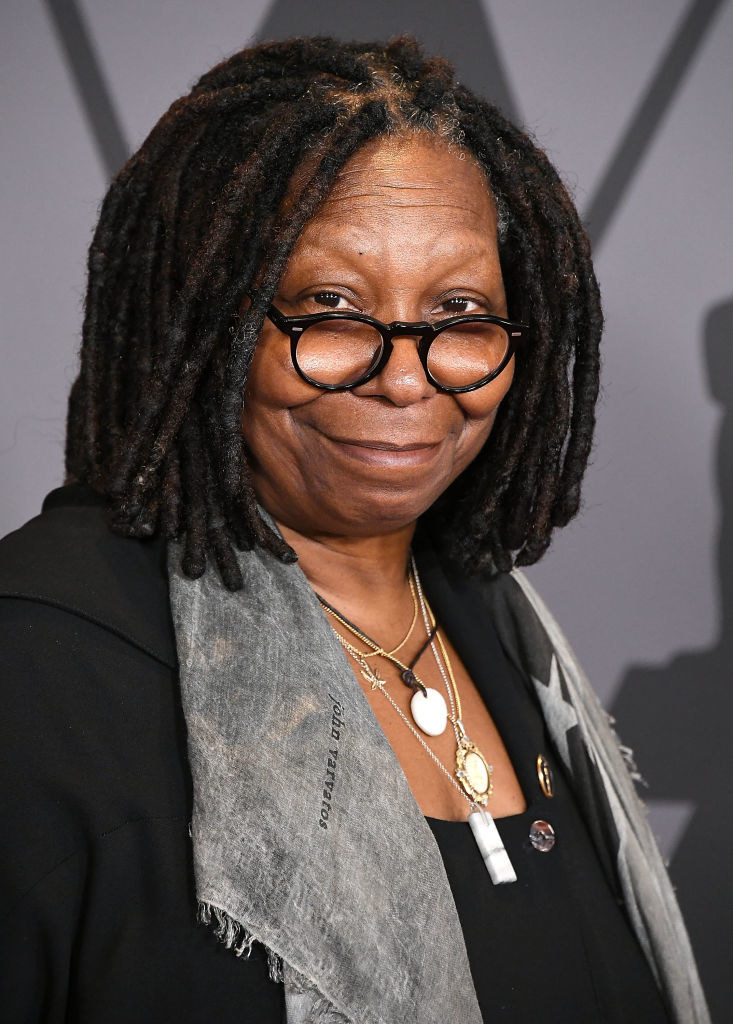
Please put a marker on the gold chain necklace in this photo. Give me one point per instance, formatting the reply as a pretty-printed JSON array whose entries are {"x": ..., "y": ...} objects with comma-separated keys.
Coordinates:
[
  {"x": 474, "y": 772},
  {"x": 415, "y": 611},
  {"x": 483, "y": 826},
  {"x": 427, "y": 706},
  {"x": 376, "y": 649}
]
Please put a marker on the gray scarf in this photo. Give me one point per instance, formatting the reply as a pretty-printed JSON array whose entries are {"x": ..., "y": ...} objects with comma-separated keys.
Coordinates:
[{"x": 306, "y": 836}]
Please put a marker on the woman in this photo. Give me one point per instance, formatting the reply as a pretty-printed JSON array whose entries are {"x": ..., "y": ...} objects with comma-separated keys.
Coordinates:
[{"x": 340, "y": 313}]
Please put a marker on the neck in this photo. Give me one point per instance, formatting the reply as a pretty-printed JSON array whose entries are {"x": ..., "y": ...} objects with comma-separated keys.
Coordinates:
[{"x": 365, "y": 578}]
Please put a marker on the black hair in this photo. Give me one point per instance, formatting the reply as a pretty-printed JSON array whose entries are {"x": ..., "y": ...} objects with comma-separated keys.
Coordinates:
[{"x": 196, "y": 220}]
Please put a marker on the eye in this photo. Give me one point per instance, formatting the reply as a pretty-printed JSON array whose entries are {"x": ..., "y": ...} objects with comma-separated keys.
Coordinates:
[
  {"x": 331, "y": 300},
  {"x": 459, "y": 304}
]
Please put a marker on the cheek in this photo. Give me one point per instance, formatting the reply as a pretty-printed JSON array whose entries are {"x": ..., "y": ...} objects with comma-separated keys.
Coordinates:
[
  {"x": 272, "y": 384},
  {"x": 479, "y": 409},
  {"x": 481, "y": 406}
]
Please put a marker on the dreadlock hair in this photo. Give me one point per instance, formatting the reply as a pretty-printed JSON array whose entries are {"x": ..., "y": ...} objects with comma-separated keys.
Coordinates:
[{"x": 196, "y": 220}]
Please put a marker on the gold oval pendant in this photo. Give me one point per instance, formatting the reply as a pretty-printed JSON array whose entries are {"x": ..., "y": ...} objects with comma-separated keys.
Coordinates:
[
  {"x": 477, "y": 772},
  {"x": 474, "y": 772}
]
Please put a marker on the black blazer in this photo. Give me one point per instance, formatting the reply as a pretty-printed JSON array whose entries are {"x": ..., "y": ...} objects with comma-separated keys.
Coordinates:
[{"x": 93, "y": 780}]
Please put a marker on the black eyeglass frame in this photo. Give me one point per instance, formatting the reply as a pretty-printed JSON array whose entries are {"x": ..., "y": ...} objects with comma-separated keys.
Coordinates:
[{"x": 294, "y": 326}]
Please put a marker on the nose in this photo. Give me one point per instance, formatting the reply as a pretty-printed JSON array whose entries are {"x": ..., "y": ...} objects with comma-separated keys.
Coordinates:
[{"x": 402, "y": 381}]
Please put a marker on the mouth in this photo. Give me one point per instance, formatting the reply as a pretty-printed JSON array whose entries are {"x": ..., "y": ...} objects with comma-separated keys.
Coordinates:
[
  {"x": 385, "y": 446},
  {"x": 387, "y": 454}
]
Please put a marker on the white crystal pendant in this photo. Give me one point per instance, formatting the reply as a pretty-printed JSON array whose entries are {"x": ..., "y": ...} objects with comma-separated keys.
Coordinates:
[
  {"x": 492, "y": 849},
  {"x": 429, "y": 713}
]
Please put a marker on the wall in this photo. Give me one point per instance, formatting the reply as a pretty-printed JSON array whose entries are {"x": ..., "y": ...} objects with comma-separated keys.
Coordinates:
[{"x": 631, "y": 100}]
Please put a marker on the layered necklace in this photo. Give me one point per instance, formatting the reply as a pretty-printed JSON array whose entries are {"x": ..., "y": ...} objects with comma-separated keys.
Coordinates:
[{"x": 472, "y": 775}]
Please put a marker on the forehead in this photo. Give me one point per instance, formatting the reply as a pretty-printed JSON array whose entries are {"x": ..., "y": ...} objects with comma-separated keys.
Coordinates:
[
  {"x": 415, "y": 194},
  {"x": 419, "y": 172}
]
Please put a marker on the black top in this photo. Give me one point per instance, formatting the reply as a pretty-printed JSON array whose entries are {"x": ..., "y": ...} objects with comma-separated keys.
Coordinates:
[
  {"x": 560, "y": 926},
  {"x": 98, "y": 895}
]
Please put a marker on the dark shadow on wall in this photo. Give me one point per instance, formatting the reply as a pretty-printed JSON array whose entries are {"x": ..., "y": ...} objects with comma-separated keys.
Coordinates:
[
  {"x": 646, "y": 119},
  {"x": 87, "y": 73},
  {"x": 677, "y": 717},
  {"x": 463, "y": 35}
]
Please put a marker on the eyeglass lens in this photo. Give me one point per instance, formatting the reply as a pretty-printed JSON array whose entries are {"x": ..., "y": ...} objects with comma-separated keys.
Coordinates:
[{"x": 338, "y": 353}]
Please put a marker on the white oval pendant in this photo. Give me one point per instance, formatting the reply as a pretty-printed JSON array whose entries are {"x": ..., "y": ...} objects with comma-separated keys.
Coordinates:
[{"x": 430, "y": 713}]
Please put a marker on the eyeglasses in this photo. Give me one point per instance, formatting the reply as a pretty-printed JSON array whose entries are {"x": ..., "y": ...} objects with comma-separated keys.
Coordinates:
[{"x": 336, "y": 351}]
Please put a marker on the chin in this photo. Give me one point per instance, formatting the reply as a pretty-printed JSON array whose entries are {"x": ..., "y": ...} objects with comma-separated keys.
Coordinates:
[{"x": 370, "y": 515}]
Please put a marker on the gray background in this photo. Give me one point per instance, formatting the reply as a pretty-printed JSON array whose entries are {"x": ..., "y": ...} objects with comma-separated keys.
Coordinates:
[{"x": 631, "y": 100}]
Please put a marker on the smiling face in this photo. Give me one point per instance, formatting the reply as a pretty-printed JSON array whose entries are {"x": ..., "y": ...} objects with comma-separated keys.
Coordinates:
[{"x": 407, "y": 233}]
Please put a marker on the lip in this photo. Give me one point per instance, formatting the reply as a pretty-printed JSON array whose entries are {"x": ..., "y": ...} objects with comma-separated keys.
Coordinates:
[
  {"x": 387, "y": 453},
  {"x": 385, "y": 446}
]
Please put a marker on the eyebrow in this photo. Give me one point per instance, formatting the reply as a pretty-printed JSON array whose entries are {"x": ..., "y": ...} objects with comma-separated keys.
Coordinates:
[{"x": 474, "y": 249}]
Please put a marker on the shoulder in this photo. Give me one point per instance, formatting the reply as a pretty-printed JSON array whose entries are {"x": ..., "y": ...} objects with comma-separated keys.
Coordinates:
[
  {"x": 87, "y": 652},
  {"x": 91, "y": 733},
  {"x": 66, "y": 558}
]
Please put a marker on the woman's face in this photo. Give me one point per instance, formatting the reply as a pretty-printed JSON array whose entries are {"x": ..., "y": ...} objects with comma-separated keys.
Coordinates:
[{"x": 408, "y": 232}]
